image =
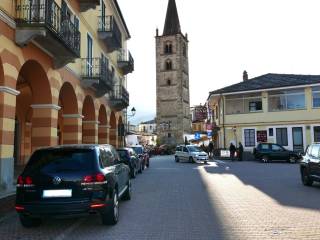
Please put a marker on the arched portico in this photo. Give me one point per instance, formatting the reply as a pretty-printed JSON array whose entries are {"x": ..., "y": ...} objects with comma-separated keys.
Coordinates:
[
  {"x": 113, "y": 139},
  {"x": 103, "y": 126},
  {"x": 69, "y": 119},
  {"x": 89, "y": 122}
]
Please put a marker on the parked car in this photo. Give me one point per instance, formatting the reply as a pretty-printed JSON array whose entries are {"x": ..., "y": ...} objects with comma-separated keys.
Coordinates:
[
  {"x": 144, "y": 156},
  {"x": 129, "y": 157},
  {"x": 266, "y": 152},
  {"x": 310, "y": 165},
  {"x": 72, "y": 180},
  {"x": 190, "y": 153}
]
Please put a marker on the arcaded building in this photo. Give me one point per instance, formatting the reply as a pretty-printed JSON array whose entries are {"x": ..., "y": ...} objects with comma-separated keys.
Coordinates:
[
  {"x": 63, "y": 67},
  {"x": 172, "y": 80}
]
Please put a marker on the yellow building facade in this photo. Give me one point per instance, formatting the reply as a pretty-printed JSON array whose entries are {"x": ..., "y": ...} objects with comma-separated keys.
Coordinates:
[
  {"x": 276, "y": 108},
  {"x": 63, "y": 67}
]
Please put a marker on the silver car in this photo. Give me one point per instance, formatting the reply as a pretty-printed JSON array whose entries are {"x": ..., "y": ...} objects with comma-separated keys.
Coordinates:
[{"x": 190, "y": 153}]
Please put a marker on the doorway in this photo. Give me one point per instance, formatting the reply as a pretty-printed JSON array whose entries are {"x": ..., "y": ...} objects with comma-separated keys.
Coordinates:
[{"x": 297, "y": 139}]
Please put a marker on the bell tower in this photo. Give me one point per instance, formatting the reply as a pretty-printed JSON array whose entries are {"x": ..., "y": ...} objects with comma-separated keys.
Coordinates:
[{"x": 172, "y": 80}]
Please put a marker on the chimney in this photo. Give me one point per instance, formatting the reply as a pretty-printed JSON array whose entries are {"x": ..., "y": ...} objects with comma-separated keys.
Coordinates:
[
  {"x": 157, "y": 32},
  {"x": 245, "y": 75}
]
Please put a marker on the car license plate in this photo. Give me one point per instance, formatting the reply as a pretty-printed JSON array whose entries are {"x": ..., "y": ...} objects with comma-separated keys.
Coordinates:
[{"x": 57, "y": 193}]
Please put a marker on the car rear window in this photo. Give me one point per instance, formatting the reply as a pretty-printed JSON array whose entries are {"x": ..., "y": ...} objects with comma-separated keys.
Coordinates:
[
  {"x": 264, "y": 146},
  {"x": 123, "y": 154},
  {"x": 61, "y": 160},
  {"x": 138, "y": 150}
]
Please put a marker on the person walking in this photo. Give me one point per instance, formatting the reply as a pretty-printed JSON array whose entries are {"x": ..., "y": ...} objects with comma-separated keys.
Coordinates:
[
  {"x": 232, "y": 150},
  {"x": 210, "y": 149},
  {"x": 240, "y": 151}
]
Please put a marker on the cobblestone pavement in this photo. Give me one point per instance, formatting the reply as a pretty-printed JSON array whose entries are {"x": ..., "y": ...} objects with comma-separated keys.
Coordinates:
[{"x": 220, "y": 200}]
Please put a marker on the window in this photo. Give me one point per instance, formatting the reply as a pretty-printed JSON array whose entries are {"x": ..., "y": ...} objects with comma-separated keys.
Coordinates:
[
  {"x": 169, "y": 135},
  {"x": 286, "y": 100},
  {"x": 168, "y": 48},
  {"x": 168, "y": 65},
  {"x": 185, "y": 149},
  {"x": 264, "y": 146},
  {"x": 77, "y": 23},
  {"x": 275, "y": 147},
  {"x": 89, "y": 55},
  {"x": 316, "y": 134},
  {"x": 106, "y": 158},
  {"x": 316, "y": 97},
  {"x": 255, "y": 106},
  {"x": 168, "y": 82},
  {"x": 282, "y": 136},
  {"x": 249, "y": 137},
  {"x": 238, "y": 104},
  {"x": 270, "y": 132}
]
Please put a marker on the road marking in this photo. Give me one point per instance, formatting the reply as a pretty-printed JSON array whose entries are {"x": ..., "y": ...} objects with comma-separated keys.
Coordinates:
[{"x": 220, "y": 161}]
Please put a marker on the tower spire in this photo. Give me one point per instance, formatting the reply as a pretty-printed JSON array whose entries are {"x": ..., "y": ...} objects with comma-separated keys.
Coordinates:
[{"x": 172, "y": 23}]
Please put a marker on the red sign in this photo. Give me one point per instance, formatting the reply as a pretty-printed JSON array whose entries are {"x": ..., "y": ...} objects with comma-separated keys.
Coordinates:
[
  {"x": 200, "y": 113},
  {"x": 262, "y": 136}
]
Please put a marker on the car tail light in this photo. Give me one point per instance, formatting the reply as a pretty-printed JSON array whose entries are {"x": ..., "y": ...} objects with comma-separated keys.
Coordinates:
[
  {"x": 20, "y": 180},
  {"x": 100, "y": 177},
  {"x": 28, "y": 180},
  {"x": 97, "y": 205},
  {"x": 19, "y": 208},
  {"x": 88, "y": 179}
]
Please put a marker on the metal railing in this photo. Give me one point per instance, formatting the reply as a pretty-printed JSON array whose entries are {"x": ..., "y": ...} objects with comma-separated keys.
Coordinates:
[
  {"x": 125, "y": 56},
  {"x": 108, "y": 24},
  {"x": 47, "y": 13},
  {"x": 96, "y": 68},
  {"x": 120, "y": 93}
]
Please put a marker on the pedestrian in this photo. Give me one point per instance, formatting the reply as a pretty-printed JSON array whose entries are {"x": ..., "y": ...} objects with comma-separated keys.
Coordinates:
[
  {"x": 240, "y": 151},
  {"x": 210, "y": 149},
  {"x": 232, "y": 150}
]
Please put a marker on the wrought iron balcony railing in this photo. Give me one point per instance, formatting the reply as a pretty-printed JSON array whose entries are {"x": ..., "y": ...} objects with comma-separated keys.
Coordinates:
[
  {"x": 119, "y": 98},
  {"x": 44, "y": 22},
  {"x": 125, "y": 61},
  {"x": 88, "y": 4},
  {"x": 95, "y": 74},
  {"x": 109, "y": 32}
]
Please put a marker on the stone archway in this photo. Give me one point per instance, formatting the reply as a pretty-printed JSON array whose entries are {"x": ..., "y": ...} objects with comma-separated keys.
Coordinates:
[
  {"x": 36, "y": 116},
  {"x": 69, "y": 119},
  {"x": 103, "y": 126},
  {"x": 113, "y": 139},
  {"x": 89, "y": 123}
]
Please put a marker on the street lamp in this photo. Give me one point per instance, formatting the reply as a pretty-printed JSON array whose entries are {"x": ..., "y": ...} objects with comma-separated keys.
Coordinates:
[{"x": 133, "y": 112}]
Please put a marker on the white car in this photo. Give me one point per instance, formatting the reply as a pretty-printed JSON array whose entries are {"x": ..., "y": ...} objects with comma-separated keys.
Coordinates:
[{"x": 190, "y": 153}]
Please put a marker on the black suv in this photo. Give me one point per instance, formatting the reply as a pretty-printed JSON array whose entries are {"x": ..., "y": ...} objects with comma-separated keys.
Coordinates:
[
  {"x": 267, "y": 152},
  {"x": 72, "y": 180},
  {"x": 310, "y": 165}
]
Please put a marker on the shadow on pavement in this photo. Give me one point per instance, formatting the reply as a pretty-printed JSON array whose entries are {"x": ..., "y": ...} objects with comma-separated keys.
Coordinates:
[{"x": 280, "y": 181}]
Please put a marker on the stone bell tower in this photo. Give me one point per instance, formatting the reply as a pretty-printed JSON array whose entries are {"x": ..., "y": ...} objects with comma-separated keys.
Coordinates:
[{"x": 173, "y": 99}]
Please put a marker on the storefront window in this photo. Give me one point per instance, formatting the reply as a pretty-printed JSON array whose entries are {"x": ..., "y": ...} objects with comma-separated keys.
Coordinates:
[{"x": 316, "y": 133}]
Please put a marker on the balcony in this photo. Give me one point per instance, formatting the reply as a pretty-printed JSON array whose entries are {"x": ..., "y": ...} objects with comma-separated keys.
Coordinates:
[
  {"x": 119, "y": 98},
  {"x": 125, "y": 61},
  {"x": 96, "y": 75},
  {"x": 42, "y": 22},
  {"x": 85, "y": 5},
  {"x": 109, "y": 32}
]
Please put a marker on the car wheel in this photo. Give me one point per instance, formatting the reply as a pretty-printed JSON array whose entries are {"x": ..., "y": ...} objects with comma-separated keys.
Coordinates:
[
  {"x": 306, "y": 180},
  {"x": 127, "y": 193},
  {"x": 111, "y": 216},
  {"x": 265, "y": 159},
  {"x": 205, "y": 162},
  {"x": 191, "y": 160},
  {"x": 292, "y": 159},
  {"x": 177, "y": 159},
  {"x": 29, "y": 222}
]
